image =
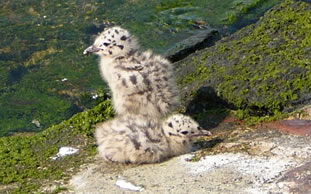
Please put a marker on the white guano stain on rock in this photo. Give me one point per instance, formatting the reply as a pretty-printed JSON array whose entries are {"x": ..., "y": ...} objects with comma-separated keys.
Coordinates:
[
  {"x": 65, "y": 151},
  {"x": 262, "y": 169},
  {"x": 123, "y": 184}
]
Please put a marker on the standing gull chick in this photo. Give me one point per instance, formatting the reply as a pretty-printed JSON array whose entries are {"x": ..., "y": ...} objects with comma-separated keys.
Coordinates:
[
  {"x": 141, "y": 82},
  {"x": 138, "y": 139}
]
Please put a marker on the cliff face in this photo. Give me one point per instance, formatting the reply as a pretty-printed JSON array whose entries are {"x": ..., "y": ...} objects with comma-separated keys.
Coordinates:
[{"x": 262, "y": 70}]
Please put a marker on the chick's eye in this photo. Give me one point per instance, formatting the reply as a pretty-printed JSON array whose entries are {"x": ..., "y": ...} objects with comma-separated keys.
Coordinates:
[{"x": 184, "y": 132}]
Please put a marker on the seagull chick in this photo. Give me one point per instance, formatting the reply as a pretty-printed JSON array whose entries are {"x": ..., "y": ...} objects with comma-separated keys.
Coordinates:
[
  {"x": 139, "y": 139},
  {"x": 141, "y": 82}
]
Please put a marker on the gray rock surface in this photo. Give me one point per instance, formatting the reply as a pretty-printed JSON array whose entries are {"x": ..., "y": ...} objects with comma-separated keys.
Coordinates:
[
  {"x": 262, "y": 69},
  {"x": 200, "y": 40},
  {"x": 266, "y": 164}
]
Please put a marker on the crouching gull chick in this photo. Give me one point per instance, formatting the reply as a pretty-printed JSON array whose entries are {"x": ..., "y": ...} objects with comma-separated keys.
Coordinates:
[{"x": 139, "y": 139}]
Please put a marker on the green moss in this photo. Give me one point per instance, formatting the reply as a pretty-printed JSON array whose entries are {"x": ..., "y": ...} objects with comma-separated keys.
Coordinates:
[
  {"x": 59, "y": 189},
  {"x": 263, "y": 69},
  {"x": 25, "y": 160},
  {"x": 45, "y": 40},
  {"x": 38, "y": 56},
  {"x": 244, "y": 9}
]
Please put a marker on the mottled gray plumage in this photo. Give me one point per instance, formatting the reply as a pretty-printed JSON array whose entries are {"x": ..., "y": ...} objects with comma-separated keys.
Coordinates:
[
  {"x": 141, "y": 82},
  {"x": 139, "y": 139}
]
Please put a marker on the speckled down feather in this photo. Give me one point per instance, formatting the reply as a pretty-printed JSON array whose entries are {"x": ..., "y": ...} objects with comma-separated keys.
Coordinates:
[
  {"x": 141, "y": 82},
  {"x": 139, "y": 139}
]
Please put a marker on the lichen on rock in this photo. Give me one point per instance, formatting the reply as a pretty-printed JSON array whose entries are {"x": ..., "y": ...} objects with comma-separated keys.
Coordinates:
[
  {"x": 262, "y": 71},
  {"x": 25, "y": 160}
]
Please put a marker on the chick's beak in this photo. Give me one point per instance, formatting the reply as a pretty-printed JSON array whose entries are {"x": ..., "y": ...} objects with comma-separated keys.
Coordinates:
[
  {"x": 206, "y": 133},
  {"x": 203, "y": 132},
  {"x": 91, "y": 49}
]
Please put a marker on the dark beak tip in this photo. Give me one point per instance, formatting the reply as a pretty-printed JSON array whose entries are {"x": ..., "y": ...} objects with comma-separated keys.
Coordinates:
[{"x": 90, "y": 49}]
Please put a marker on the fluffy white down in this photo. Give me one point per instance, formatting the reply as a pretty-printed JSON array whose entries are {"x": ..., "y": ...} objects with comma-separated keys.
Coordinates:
[
  {"x": 138, "y": 139},
  {"x": 141, "y": 82}
]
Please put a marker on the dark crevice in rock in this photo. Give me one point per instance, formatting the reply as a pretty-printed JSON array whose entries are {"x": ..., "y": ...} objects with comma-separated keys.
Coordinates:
[
  {"x": 201, "y": 40},
  {"x": 208, "y": 105},
  {"x": 16, "y": 74},
  {"x": 94, "y": 28},
  {"x": 301, "y": 102}
]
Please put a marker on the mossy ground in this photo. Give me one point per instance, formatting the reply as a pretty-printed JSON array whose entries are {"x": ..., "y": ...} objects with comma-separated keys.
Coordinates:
[
  {"x": 25, "y": 161},
  {"x": 43, "y": 43},
  {"x": 262, "y": 71},
  {"x": 32, "y": 61}
]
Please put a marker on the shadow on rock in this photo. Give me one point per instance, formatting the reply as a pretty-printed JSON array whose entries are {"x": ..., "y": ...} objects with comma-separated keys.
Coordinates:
[
  {"x": 207, "y": 108},
  {"x": 200, "y": 145}
]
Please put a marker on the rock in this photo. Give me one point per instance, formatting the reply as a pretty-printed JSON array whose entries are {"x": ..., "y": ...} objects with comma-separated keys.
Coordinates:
[
  {"x": 36, "y": 123},
  {"x": 200, "y": 40},
  {"x": 295, "y": 126},
  {"x": 231, "y": 172},
  {"x": 297, "y": 180},
  {"x": 238, "y": 72},
  {"x": 260, "y": 148},
  {"x": 261, "y": 70},
  {"x": 123, "y": 184}
]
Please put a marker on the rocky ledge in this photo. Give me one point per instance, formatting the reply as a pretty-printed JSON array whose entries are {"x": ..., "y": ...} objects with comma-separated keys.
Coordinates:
[
  {"x": 245, "y": 160},
  {"x": 260, "y": 73}
]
